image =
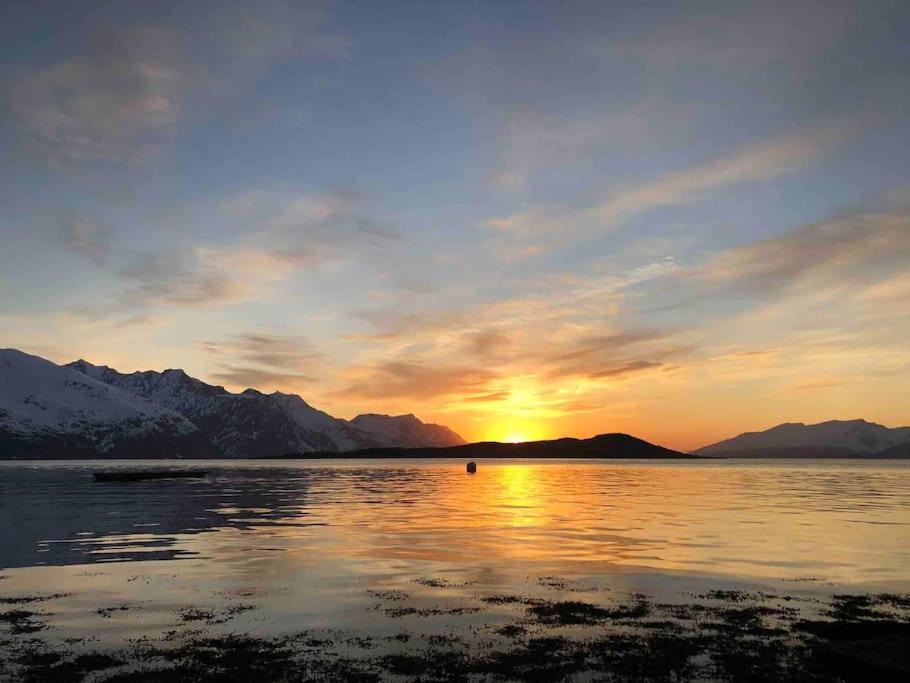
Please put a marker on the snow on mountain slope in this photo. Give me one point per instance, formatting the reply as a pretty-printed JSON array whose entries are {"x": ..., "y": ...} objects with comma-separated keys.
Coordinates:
[
  {"x": 858, "y": 436},
  {"x": 172, "y": 389},
  {"x": 251, "y": 423},
  {"x": 406, "y": 431},
  {"x": 248, "y": 424},
  {"x": 47, "y": 410}
]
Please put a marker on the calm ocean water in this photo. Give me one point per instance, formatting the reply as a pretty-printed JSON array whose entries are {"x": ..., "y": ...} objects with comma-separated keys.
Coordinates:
[{"x": 286, "y": 546}]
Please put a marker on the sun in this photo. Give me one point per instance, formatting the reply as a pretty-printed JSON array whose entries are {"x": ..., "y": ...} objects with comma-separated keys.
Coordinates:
[
  {"x": 515, "y": 437},
  {"x": 516, "y": 431}
]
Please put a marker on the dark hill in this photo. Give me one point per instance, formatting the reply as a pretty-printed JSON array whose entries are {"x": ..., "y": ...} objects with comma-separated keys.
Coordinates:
[
  {"x": 602, "y": 446},
  {"x": 902, "y": 450}
]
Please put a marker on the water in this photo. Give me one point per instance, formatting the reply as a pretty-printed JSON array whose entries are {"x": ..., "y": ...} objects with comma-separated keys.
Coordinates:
[{"x": 282, "y": 546}]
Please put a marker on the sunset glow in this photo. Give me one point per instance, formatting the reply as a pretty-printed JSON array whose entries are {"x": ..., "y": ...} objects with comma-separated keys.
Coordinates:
[
  {"x": 554, "y": 220},
  {"x": 454, "y": 341}
]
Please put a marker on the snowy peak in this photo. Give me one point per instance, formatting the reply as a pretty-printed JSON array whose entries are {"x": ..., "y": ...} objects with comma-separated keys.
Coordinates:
[
  {"x": 172, "y": 389},
  {"x": 38, "y": 392},
  {"x": 100, "y": 372},
  {"x": 406, "y": 431},
  {"x": 47, "y": 410},
  {"x": 252, "y": 423},
  {"x": 843, "y": 437}
]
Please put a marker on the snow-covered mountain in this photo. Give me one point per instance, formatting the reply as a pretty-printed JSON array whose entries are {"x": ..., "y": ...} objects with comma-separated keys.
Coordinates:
[
  {"x": 406, "y": 431},
  {"x": 49, "y": 411},
  {"x": 252, "y": 423},
  {"x": 825, "y": 439}
]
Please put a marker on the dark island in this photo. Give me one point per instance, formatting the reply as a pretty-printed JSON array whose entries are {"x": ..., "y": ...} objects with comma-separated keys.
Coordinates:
[{"x": 601, "y": 446}]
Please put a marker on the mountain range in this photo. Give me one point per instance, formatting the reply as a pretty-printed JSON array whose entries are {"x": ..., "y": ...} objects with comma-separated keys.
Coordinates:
[
  {"x": 81, "y": 410},
  {"x": 832, "y": 439}
]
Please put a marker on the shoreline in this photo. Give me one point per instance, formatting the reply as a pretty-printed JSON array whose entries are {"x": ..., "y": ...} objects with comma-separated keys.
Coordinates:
[{"x": 591, "y": 631}]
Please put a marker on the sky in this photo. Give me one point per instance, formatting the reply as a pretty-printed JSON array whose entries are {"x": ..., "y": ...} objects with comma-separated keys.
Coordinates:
[{"x": 680, "y": 220}]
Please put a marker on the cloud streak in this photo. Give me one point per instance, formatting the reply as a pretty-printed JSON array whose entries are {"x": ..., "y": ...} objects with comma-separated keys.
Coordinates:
[
  {"x": 265, "y": 361},
  {"x": 687, "y": 186}
]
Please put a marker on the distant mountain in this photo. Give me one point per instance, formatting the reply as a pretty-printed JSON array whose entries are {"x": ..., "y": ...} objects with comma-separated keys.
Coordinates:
[
  {"x": 900, "y": 451},
  {"x": 248, "y": 424},
  {"x": 254, "y": 424},
  {"x": 833, "y": 439},
  {"x": 83, "y": 410},
  {"x": 406, "y": 431},
  {"x": 49, "y": 411},
  {"x": 602, "y": 446}
]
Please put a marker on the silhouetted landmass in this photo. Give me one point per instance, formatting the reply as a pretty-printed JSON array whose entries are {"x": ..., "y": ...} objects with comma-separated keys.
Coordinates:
[
  {"x": 602, "y": 446},
  {"x": 899, "y": 451},
  {"x": 832, "y": 439},
  {"x": 85, "y": 411}
]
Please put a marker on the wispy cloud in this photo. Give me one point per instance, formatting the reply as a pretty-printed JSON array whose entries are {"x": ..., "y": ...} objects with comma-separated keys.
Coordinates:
[
  {"x": 533, "y": 140},
  {"x": 687, "y": 186},
  {"x": 850, "y": 250},
  {"x": 87, "y": 237},
  {"x": 416, "y": 381},
  {"x": 178, "y": 280},
  {"x": 265, "y": 361},
  {"x": 121, "y": 97},
  {"x": 690, "y": 185},
  {"x": 119, "y": 102}
]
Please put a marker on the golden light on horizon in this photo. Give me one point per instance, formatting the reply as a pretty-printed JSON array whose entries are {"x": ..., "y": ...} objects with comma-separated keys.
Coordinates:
[
  {"x": 516, "y": 431},
  {"x": 516, "y": 437}
]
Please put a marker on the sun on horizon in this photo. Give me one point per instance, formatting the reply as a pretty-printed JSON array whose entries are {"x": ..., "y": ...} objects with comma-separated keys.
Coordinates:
[{"x": 516, "y": 432}]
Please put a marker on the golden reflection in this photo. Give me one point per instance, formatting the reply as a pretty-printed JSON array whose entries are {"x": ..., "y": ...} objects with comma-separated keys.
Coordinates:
[
  {"x": 739, "y": 520},
  {"x": 519, "y": 493}
]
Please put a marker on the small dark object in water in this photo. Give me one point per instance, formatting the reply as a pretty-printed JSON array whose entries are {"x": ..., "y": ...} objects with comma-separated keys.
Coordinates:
[
  {"x": 472, "y": 467},
  {"x": 135, "y": 475}
]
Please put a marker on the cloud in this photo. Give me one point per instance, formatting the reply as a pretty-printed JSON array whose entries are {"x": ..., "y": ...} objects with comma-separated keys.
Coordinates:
[
  {"x": 626, "y": 368},
  {"x": 203, "y": 276},
  {"x": 121, "y": 94},
  {"x": 276, "y": 351},
  {"x": 262, "y": 360},
  {"x": 279, "y": 235},
  {"x": 177, "y": 280},
  {"x": 845, "y": 251},
  {"x": 532, "y": 140},
  {"x": 260, "y": 379},
  {"x": 87, "y": 237},
  {"x": 489, "y": 397},
  {"x": 329, "y": 226},
  {"x": 118, "y": 103},
  {"x": 744, "y": 38},
  {"x": 596, "y": 345},
  {"x": 489, "y": 343},
  {"x": 690, "y": 185},
  {"x": 416, "y": 381}
]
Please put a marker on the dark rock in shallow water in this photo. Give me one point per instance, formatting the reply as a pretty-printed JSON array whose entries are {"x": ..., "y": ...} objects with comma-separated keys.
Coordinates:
[{"x": 472, "y": 467}]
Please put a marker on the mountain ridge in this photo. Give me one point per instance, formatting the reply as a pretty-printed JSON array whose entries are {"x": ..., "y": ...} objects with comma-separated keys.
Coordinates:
[
  {"x": 832, "y": 438},
  {"x": 47, "y": 409},
  {"x": 603, "y": 446},
  {"x": 86, "y": 410}
]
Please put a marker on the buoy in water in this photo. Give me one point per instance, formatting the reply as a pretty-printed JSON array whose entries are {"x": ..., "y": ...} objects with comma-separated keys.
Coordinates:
[{"x": 472, "y": 467}]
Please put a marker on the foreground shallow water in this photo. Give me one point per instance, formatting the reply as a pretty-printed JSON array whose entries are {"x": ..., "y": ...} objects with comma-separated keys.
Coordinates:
[{"x": 403, "y": 567}]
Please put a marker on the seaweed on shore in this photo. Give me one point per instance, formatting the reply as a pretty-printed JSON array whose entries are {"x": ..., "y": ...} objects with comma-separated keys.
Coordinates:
[{"x": 732, "y": 636}]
